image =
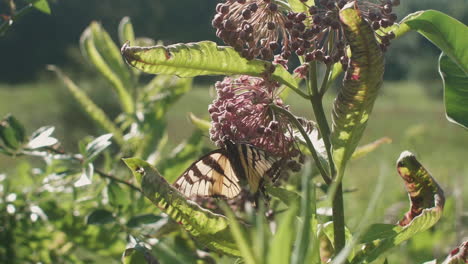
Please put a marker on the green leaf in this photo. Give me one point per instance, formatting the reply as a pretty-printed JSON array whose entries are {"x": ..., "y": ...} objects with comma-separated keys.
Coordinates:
[
  {"x": 427, "y": 202},
  {"x": 96, "y": 113},
  {"x": 209, "y": 229},
  {"x": 282, "y": 243},
  {"x": 201, "y": 58},
  {"x": 41, "y": 5},
  {"x": 126, "y": 31},
  {"x": 240, "y": 236},
  {"x": 141, "y": 220},
  {"x": 379, "y": 231},
  {"x": 100, "y": 217},
  {"x": 308, "y": 214},
  {"x": 455, "y": 90},
  {"x": 449, "y": 35},
  {"x": 12, "y": 132},
  {"x": 117, "y": 196},
  {"x": 201, "y": 124},
  {"x": 98, "y": 47},
  {"x": 354, "y": 103}
]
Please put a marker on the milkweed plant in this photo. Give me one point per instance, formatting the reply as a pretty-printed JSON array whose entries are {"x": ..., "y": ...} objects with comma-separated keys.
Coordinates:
[{"x": 87, "y": 206}]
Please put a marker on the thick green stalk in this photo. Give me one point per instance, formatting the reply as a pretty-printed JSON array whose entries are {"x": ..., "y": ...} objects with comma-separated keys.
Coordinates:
[{"x": 324, "y": 128}]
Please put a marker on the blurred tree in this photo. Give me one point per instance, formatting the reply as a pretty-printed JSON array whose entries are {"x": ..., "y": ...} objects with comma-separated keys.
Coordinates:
[{"x": 51, "y": 38}]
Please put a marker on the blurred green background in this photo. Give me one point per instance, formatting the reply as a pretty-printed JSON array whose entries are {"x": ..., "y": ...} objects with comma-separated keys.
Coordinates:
[{"x": 410, "y": 109}]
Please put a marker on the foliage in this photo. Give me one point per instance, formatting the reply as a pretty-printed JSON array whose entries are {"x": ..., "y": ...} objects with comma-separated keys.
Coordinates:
[{"x": 86, "y": 207}]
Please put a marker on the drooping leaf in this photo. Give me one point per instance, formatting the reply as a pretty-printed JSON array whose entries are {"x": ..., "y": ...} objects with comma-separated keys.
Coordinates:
[
  {"x": 459, "y": 255},
  {"x": 427, "y": 202},
  {"x": 100, "y": 217},
  {"x": 201, "y": 58},
  {"x": 98, "y": 47},
  {"x": 96, "y": 113},
  {"x": 209, "y": 229},
  {"x": 455, "y": 90},
  {"x": 449, "y": 35},
  {"x": 353, "y": 105}
]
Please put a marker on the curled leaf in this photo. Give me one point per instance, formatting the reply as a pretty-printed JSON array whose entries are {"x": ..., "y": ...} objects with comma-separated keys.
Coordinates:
[
  {"x": 427, "y": 202},
  {"x": 354, "y": 103},
  {"x": 209, "y": 229},
  {"x": 459, "y": 255},
  {"x": 423, "y": 190}
]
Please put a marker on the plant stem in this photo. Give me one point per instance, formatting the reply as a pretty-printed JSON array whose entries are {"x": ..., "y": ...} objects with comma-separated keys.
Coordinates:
[
  {"x": 311, "y": 147},
  {"x": 322, "y": 123},
  {"x": 113, "y": 178},
  {"x": 6, "y": 24}
]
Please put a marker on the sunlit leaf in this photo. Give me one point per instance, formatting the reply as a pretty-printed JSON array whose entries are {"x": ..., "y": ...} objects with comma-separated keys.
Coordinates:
[
  {"x": 98, "y": 145},
  {"x": 100, "y": 217},
  {"x": 41, "y": 5},
  {"x": 85, "y": 176},
  {"x": 427, "y": 202},
  {"x": 449, "y": 35},
  {"x": 42, "y": 138},
  {"x": 202, "y": 58},
  {"x": 206, "y": 227},
  {"x": 353, "y": 105}
]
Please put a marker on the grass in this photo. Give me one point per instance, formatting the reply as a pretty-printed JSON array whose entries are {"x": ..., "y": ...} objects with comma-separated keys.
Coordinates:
[{"x": 403, "y": 112}]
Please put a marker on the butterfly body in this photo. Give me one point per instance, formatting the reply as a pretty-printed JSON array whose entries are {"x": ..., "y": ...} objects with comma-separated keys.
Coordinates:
[{"x": 223, "y": 172}]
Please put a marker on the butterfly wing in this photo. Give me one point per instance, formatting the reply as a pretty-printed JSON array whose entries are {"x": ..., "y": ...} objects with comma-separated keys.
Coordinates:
[
  {"x": 212, "y": 175},
  {"x": 256, "y": 164}
]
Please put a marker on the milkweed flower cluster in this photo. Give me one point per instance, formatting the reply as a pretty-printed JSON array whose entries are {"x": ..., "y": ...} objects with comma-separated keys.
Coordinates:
[
  {"x": 241, "y": 113},
  {"x": 262, "y": 28}
]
